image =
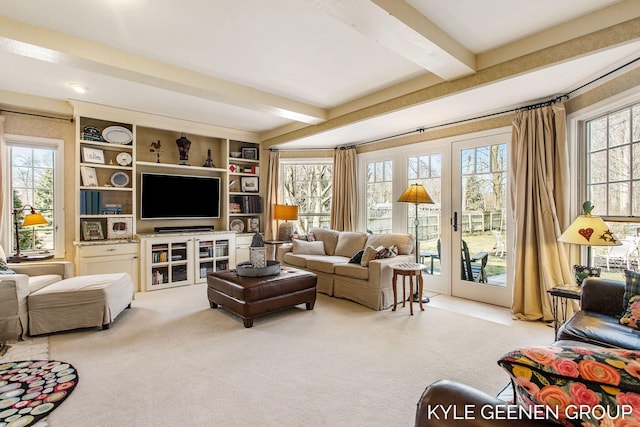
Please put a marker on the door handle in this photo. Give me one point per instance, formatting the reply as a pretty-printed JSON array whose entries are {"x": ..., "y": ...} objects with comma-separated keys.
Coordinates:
[{"x": 454, "y": 221}]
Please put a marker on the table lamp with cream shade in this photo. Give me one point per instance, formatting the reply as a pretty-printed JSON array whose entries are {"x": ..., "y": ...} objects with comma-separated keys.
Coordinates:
[
  {"x": 285, "y": 213},
  {"x": 416, "y": 194},
  {"x": 31, "y": 219},
  {"x": 588, "y": 230}
]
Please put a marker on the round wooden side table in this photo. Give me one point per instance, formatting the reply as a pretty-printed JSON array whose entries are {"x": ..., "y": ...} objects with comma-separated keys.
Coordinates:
[{"x": 405, "y": 269}]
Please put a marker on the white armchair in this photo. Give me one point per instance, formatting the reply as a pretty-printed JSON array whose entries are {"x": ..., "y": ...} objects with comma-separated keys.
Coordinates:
[{"x": 15, "y": 288}]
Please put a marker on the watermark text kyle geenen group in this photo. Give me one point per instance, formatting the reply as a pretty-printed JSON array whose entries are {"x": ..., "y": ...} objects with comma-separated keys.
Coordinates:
[{"x": 534, "y": 412}]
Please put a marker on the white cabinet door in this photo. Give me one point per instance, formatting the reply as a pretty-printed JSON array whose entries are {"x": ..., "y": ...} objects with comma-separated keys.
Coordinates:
[{"x": 109, "y": 258}]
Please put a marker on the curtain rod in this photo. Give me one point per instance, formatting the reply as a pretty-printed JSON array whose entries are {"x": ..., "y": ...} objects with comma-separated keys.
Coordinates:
[
  {"x": 70, "y": 120},
  {"x": 512, "y": 110}
]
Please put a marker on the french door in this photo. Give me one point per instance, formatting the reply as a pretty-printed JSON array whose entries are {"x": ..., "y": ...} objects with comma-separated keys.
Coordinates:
[
  {"x": 463, "y": 236},
  {"x": 479, "y": 221}
]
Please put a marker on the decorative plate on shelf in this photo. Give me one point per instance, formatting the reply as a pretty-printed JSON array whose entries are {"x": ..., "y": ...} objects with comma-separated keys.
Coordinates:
[
  {"x": 236, "y": 225},
  {"x": 117, "y": 135},
  {"x": 124, "y": 159},
  {"x": 120, "y": 179}
]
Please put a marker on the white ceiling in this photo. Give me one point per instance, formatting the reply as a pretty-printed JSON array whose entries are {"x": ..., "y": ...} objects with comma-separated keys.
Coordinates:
[{"x": 270, "y": 66}]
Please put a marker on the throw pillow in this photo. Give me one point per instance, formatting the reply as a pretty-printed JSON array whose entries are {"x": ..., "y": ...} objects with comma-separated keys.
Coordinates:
[
  {"x": 302, "y": 247},
  {"x": 369, "y": 254},
  {"x": 576, "y": 383},
  {"x": 4, "y": 268},
  {"x": 357, "y": 258},
  {"x": 306, "y": 237},
  {"x": 632, "y": 286},
  {"x": 349, "y": 242},
  {"x": 389, "y": 252},
  {"x": 631, "y": 316}
]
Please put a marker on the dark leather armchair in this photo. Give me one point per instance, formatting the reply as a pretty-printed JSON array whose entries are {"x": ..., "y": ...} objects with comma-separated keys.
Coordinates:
[
  {"x": 601, "y": 304},
  {"x": 595, "y": 326},
  {"x": 481, "y": 408}
]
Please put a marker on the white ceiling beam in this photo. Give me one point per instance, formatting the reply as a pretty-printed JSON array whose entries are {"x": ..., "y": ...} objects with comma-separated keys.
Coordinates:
[
  {"x": 50, "y": 46},
  {"x": 402, "y": 29}
]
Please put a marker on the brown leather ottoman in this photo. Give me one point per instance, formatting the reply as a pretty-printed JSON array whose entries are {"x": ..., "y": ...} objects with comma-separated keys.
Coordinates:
[{"x": 252, "y": 296}]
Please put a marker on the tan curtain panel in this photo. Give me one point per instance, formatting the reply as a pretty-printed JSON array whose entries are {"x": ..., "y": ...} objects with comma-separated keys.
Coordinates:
[
  {"x": 344, "y": 190},
  {"x": 273, "y": 173},
  {"x": 540, "y": 204}
]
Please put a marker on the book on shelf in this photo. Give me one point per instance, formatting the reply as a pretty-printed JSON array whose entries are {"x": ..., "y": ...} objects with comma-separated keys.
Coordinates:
[
  {"x": 247, "y": 203},
  {"x": 90, "y": 202}
]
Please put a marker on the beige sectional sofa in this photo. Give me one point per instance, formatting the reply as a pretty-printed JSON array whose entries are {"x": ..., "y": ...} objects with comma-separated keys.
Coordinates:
[{"x": 368, "y": 282}]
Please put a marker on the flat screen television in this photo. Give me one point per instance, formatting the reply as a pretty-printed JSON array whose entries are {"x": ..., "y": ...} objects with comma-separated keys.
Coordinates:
[{"x": 165, "y": 196}]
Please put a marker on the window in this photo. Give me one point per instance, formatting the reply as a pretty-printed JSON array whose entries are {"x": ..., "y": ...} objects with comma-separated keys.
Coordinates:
[
  {"x": 307, "y": 184},
  {"x": 613, "y": 185},
  {"x": 34, "y": 181},
  {"x": 379, "y": 197}
]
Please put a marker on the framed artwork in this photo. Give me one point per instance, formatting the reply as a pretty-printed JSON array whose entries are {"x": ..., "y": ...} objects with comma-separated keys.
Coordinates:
[
  {"x": 249, "y": 184},
  {"x": 253, "y": 224},
  {"x": 89, "y": 177},
  {"x": 92, "y": 155},
  {"x": 92, "y": 230},
  {"x": 119, "y": 228},
  {"x": 250, "y": 153}
]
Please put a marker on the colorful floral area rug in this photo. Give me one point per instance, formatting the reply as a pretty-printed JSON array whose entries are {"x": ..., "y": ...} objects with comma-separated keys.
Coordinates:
[{"x": 31, "y": 389}]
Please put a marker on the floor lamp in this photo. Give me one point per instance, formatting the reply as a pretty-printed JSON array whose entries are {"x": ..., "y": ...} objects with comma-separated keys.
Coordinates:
[
  {"x": 30, "y": 219},
  {"x": 417, "y": 195},
  {"x": 589, "y": 230}
]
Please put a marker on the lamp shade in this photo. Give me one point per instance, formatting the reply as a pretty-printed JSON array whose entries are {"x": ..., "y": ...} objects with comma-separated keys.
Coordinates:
[
  {"x": 589, "y": 230},
  {"x": 34, "y": 218},
  {"x": 415, "y": 194},
  {"x": 285, "y": 212}
]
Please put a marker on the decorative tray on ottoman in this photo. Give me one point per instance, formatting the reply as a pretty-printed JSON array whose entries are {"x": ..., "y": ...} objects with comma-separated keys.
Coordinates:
[{"x": 246, "y": 269}]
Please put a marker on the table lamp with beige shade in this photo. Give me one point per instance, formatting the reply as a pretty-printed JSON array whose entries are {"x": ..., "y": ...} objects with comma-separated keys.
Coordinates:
[
  {"x": 588, "y": 230},
  {"x": 285, "y": 213}
]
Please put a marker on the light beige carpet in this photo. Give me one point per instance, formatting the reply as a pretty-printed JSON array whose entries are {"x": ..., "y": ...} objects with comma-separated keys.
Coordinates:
[{"x": 173, "y": 361}]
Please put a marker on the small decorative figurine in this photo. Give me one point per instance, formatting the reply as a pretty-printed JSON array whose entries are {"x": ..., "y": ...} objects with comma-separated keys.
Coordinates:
[
  {"x": 183, "y": 149},
  {"x": 208, "y": 163},
  {"x": 156, "y": 147}
]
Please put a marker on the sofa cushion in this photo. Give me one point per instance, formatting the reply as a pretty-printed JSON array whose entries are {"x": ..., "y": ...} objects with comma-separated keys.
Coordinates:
[
  {"x": 369, "y": 254},
  {"x": 355, "y": 271},
  {"x": 599, "y": 329},
  {"x": 564, "y": 379},
  {"x": 632, "y": 286},
  {"x": 295, "y": 259},
  {"x": 328, "y": 237},
  {"x": 357, "y": 257},
  {"x": 4, "y": 268},
  {"x": 390, "y": 252},
  {"x": 631, "y": 317},
  {"x": 349, "y": 242},
  {"x": 306, "y": 237},
  {"x": 405, "y": 242},
  {"x": 326, "y": 264},
  {"x": 38, "y": 282},
  {"x": 308, "y": 248}
]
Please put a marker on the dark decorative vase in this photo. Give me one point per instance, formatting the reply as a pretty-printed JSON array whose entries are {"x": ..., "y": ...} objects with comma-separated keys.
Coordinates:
[
  {"x": 208, "y": 163},
  {"x": 183, "y": 149}
]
